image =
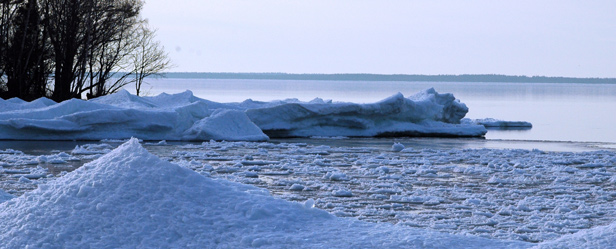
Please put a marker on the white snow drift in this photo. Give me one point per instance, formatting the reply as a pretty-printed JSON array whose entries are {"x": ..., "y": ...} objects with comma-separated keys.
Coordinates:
[
  {"x": 186, "y": 117},
  {"x": 130, "y": 198}
]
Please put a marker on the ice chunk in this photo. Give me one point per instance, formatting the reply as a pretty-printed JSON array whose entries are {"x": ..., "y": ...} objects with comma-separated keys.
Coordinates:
[
  {"x": 499, "y": 124},
  {"x": 124, "y": 99},
  {"x": 228, "y": 125},
  {"x": 397, "y": 147},
  {"x": 427, "y": 113}
]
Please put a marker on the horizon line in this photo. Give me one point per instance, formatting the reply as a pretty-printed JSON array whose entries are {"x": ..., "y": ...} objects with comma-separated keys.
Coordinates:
[{"x": 394, "y": 74}]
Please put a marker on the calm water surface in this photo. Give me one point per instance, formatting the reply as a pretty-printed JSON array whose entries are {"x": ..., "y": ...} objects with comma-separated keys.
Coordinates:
[{"x": 558, "y": 112}]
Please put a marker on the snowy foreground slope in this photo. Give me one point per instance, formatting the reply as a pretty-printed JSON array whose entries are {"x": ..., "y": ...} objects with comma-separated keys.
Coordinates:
[
  {"x": 4, "y": 196},
  {"x": 185, "y": 117},
  {"x": 130, "y": 198},
  {"x": 598, "y": 237}
]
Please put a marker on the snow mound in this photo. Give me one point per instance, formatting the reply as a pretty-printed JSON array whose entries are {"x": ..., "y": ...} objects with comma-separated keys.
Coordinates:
[
  {"x": 183, "y": 116},
  {"x": 18, "y": 104},
  {"x": 225, "y": 125},
  {"x": 428, "y": 113},
  {"x": 129, "y": 198},
  {"x": 124, "y": 99}
]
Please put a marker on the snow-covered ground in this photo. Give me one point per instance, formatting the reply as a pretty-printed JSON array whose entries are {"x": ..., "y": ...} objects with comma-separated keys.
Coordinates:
[{"x": 501, "y": 195}]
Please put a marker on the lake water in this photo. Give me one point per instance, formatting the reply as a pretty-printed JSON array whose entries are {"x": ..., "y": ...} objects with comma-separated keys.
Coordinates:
[
  {"x": 558, "y": 112},
  {"x": 441, "y": 179}
]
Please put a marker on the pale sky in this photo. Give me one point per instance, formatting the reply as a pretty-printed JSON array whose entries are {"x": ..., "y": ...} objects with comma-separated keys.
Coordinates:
[{"x": 548, "y": 38}]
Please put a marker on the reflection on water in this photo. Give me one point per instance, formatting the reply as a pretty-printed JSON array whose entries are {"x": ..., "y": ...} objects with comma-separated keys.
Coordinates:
[
  {"x": 509, "y": 129},
  {"x": 449, "y": 143}
]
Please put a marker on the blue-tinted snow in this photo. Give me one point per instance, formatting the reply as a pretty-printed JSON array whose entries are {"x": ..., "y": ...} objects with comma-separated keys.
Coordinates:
[{"x": 185, "y": 117}]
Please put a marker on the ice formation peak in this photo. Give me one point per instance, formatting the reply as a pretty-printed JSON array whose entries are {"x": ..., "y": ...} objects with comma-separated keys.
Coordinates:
[
  {"x": 124, "y": 99},
  {"x": 122, "y": 192}
]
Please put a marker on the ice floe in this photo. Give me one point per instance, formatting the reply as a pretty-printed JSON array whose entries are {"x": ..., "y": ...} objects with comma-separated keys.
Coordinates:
[
  {"x": 185, "y": 117},
  {"x": 427, "y": 113},
  {"x": 225, "y": 124},
  {"x": 505, "y": 194},
  {"x": 492, "y": 123},
  {"x": 130, "y": 198}
]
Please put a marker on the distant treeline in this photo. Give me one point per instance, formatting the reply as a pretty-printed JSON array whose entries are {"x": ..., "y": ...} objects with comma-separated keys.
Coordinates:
[{"x": 391, "y": 77}]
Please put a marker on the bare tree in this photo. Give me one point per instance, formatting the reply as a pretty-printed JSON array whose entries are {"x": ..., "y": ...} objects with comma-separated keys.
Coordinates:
[
  {"x": 92, "y": 47},
  {"x": 115, "y": 40},
  {"x": 149, "y": 57},
  {"x": 27, "y": 57},
  {"x": 8, "y": 8},
  {"x": 90, "y": 39},
  {"x": 64, "y": 19}
]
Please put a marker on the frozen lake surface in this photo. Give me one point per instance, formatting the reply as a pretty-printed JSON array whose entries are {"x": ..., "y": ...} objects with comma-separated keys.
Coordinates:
[
  {"x": 525, "y": 195},
  {"x": 132, "y": 198}
]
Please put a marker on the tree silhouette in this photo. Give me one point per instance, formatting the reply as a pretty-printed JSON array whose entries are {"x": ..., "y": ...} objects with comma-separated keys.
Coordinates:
[
  {"x": 66, "y": 48},
  {"x": 25, "y": 61},
  {"x": 149, "y": 58}
]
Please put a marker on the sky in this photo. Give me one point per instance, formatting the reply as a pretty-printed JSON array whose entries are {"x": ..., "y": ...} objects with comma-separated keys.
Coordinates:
[{"x": 532, "y": 38}]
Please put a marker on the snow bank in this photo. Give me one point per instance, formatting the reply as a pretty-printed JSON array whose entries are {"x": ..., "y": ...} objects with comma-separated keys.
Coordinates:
[
  {"x": 130, "y": 198},
  {"x": 122, "y": 115},
  {"x": 185, "y": 117}
]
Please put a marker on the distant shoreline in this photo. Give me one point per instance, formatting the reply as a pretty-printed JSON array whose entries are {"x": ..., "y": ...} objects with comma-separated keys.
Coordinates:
[{"x": 392, "y": 77}]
